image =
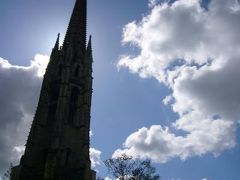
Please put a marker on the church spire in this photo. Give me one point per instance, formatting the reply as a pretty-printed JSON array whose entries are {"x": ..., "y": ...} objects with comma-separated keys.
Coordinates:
[
  {"x": 58, "y": 144},
  {"x": 77, "y": 28},
  {"x": 89, "y": 46},
  {"x": 56, "y": 47}
]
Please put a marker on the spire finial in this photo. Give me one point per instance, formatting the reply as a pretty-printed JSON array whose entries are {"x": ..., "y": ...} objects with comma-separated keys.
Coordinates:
[
  {"x": 89, "y": 46},
  {"x": 56, "y": 47}
]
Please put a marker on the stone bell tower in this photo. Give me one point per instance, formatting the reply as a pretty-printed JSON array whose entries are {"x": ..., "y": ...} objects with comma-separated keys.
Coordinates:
[{"x": 58, "y": 143}]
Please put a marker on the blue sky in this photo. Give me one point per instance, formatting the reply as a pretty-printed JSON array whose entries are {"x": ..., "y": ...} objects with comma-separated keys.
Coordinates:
[{"x": 195, "y": 134}]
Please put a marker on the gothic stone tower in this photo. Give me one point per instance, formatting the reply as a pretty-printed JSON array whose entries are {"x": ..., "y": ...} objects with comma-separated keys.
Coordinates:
[{"x": 58, "y": 144}]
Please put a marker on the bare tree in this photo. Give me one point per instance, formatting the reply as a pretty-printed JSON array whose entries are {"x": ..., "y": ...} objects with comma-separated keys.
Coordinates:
[{"x": 126, "y": 168}]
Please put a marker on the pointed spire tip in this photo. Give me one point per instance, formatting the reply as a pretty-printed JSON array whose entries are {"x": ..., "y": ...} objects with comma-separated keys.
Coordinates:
[{"x": 77, "y": 27}]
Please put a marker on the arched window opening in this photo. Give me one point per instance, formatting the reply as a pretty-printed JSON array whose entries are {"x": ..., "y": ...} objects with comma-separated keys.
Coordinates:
[
  {"x": 73, "y": 105},
  {"x": 76, "y": 72},
  {"x": 44, "y": 156},
  {"x": 67, "y": 157},
  {"x": 54, "y": 93},
  {"x": 52, "y": 112},
  {"x": 60, "y": 70}
]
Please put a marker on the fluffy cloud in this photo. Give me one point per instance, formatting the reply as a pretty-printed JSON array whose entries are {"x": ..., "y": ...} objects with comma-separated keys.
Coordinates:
[
  {"x": 196, "y": 53},
  {"x": 95, "y": 156},
  {"x": 107, "y": 178},
  {"x": 20, "y": 88}
]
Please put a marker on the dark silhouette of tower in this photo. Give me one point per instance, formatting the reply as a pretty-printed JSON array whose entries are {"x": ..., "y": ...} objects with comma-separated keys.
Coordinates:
[{"x": 58, "y": 143}]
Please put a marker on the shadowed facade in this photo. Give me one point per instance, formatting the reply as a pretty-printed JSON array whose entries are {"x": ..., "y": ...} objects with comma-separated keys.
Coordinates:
[{"x": 58, "y": 143}]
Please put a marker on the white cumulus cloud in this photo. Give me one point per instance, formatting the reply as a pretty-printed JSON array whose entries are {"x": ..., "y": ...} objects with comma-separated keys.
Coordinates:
[
  {"x": 20, "y": 87},
  {"x": 107, "y": 178},
  {"x": 195, "y": 52},
  {"x": 95, "y": 156}
]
